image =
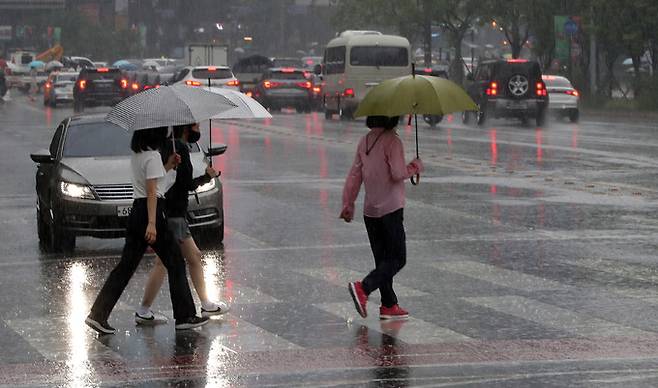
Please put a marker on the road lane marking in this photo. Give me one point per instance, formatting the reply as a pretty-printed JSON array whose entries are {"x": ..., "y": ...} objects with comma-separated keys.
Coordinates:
[
  {"x": 556, "y": 317},
  {"x": 411, "y": 331},
  {"x": 498, "y": 276},
  {"x": 340, "y": 276}
]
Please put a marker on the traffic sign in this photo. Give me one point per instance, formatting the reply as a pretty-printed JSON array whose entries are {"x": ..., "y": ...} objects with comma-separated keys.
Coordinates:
[{"x": 570, "y": 27}]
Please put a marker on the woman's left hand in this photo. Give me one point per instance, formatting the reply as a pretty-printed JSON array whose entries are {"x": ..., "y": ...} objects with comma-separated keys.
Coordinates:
[{"x": 151, "y": 234}]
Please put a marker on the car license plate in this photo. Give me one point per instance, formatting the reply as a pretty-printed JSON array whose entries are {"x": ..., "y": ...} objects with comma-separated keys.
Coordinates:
[
  {"x": 517, "y": 105},
  {"x": 124, "y": 211}
]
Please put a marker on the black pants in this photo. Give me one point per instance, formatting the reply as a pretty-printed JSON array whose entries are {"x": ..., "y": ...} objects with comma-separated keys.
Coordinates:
[
  {"x": 167, "y": 249},
  {"x": 387, "y": 240}
]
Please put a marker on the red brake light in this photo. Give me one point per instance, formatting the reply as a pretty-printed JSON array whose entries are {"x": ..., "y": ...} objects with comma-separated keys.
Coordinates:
[
  {"x": 82, "y": 84},
  {"x": 305, "y": 85},
  {"x": 249, "y": 94},
  {"x": 309, "y": 61},
  {"x": 517, "y": 60},
  {"x": 124, "y": 83},
  {"x": 233, "y": 82},
  {"x": 317, "y": 89},
  {"x": 48, "y": 85},
  {"x": 192, "y": 83},
  {"x": 288, "y": 70},
  {"x": 492, "y": 90},
  {"x": 212, "y": 68},
  {"x": 135, "y": 86},
  {"x": 267, "y": 84},
  {"x": 348, "y": 92},
  {"x": 573, "y": 93},
  {"x": 103, "y": 70},
  {"x": 541, "y": 89},
  {"x": 428, "y": 70}
]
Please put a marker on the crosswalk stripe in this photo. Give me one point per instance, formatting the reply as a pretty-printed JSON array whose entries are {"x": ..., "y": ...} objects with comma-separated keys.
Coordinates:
[
  {"x": 498, "y": 276},
  {"x": 341, "y": 276},
  {"x": 556, "y": 317},
  {"x": 412, "y": 331},
  {"x": 624, "y": 270}
]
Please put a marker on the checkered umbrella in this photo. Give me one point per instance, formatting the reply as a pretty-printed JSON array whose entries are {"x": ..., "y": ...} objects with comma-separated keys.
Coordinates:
[{"x": 166, "y": 106}]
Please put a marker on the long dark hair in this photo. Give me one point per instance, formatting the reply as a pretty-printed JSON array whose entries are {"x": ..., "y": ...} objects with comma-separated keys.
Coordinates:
[
  {"x": 148, "y": 139},
  {"x": 385, "y": 122}
]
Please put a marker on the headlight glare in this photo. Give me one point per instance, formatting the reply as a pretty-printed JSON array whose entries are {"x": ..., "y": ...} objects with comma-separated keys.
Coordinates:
[{"x": 75, "y": 190}]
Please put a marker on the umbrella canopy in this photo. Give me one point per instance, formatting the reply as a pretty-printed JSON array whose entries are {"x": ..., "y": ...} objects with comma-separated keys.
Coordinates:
[
  {"x": 247, "y": 107},
  {"x": 54, "y": 65},
  {"x": 124, "y": 65},
  {"x": 167, "y": 105},
  {"x": 36, "y": 64},
  {"x": 417, "y": 94}
]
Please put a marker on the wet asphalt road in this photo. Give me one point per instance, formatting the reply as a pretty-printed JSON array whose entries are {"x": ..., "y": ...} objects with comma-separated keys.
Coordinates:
[{"x": 531, "y": 262}]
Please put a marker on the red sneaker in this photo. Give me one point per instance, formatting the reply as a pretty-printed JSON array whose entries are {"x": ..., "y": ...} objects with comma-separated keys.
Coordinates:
[
  {"x": 359, "y": 297},
  {"x": 395, "y": 312}
]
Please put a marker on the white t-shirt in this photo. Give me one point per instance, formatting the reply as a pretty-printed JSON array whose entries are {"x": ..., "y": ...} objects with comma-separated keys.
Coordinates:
[{"x": 148, "y": 165}]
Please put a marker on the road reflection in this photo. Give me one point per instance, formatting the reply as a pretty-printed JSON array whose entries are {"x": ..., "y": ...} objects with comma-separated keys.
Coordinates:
[
  {"x": 391, "y": 369},
  {"x": 79, "y": 368}
]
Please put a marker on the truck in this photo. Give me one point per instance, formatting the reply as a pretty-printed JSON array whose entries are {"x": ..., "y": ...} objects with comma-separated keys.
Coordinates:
[{"x": 206, "y": 54}]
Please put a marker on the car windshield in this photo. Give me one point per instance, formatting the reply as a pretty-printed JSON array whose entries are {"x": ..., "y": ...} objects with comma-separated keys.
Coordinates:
[
  {"x": 378, "y": 56},
  {"x": 526, "y": 68},
  {"x": 214, "y": 74},
  {"x": 96, "y": 139},
  {"x": 288, "y": 75},
  {"x": 108, "y": 75},
  {"x": 557, "y": 82}
]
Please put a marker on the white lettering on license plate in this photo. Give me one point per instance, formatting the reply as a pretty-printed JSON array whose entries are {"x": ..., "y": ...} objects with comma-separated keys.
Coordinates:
[{"x": 124, "y": 211}]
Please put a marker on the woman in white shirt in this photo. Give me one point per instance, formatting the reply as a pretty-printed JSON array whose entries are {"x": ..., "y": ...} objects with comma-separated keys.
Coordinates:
[{"x": 147, "y": 226}]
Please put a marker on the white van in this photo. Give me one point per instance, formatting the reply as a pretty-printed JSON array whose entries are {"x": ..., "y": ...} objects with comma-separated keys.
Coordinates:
[{"x": 354, "y": 62}]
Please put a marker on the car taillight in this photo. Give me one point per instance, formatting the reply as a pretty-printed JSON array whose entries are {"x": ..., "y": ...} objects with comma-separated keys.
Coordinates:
[
  {"x": 317, "y": 89},
  {"x": 212, "y": 68},
  {"x": 249, "y": 94},
  {"x": 428, "y": 70},
  {"x": 270, "y": 84},
  {"x": 124, "y": 84},
  {"x": 233, "y": 82},
  {"x": 492, "y": 90},
  {"x": 103, "y": 70},
  {"x": 192, "y": 83},
  {"x": 288, "y": 70},
  {"x": 573, "y": 93},
  {"x": 48, "y": 85},
  {"x": 517, "y": 60},
  {"x": 541, "y": 89},
  {"x": 305, "y": 85},
  {"x": 82, "y": 84},
  {"x": 134, "y": 86},
  {"x": 348, "y": 92}
]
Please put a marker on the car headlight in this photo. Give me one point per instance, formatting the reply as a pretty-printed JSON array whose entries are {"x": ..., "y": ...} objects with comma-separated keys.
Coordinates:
[
  {"x": 75, "y": 190},
  {"x": 206, "y": 187}
]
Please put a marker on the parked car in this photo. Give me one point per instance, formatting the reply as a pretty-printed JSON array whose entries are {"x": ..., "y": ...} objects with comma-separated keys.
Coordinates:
[
  {"x": 59, "y": 88},
  {"x": 103, "y": 86},
  {"x": 83, "y": 185},
  {"x": 508, "y": 88},
  {"x": 432, "y": 120},
  {"x": 564, "y": 98},
  {"x": 220, "y": 76},
  {"x": 283, "y": 87}
]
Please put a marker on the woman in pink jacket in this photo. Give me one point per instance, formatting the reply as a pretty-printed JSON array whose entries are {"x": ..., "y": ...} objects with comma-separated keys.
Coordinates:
[{"x": 379, "y": 164}]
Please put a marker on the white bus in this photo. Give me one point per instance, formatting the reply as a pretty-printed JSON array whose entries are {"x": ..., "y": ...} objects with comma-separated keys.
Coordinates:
[{"x": 356, "y": 61}]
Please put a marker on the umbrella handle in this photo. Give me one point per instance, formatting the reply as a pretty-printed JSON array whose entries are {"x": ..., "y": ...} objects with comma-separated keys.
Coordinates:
[{"x": 416, "y": 181}]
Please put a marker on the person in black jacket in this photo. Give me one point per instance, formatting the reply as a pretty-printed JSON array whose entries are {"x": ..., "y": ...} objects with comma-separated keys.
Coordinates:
[{"x": 176, "y": 210}]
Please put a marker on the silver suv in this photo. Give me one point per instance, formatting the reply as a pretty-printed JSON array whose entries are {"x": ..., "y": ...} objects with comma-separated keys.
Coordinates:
[{"x": 84, "y": 187}]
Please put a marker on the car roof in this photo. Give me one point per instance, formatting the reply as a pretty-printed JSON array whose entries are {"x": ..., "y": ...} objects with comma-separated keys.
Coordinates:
[
  {"x": 207, "y": 67},
  {"x": 89, "y": 118}
]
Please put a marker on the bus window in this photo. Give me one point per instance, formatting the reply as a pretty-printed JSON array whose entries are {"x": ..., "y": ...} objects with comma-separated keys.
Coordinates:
[
  {"x": 335, "y": 60},
  {"x": 378, "y": 56}
]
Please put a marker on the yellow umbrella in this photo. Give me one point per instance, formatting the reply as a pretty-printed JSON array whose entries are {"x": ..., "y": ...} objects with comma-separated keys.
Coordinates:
[{"x": 415, "y": 94}]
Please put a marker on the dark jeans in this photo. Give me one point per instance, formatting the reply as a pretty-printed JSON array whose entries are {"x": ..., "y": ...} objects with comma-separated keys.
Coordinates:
[
  {"x": 167, "y": 249},
  {"x": 387, "y": 240}
]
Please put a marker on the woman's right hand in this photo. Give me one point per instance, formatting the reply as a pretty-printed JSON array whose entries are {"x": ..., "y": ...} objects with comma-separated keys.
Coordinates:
[
  {"x": 419, "y": 165},
  {"x": 151, "y": 233}
]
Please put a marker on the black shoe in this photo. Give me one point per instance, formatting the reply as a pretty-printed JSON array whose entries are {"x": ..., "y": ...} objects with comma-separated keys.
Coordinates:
[
  {"x": 191, "y": 322},
  {"x": 100, "y": 326}
]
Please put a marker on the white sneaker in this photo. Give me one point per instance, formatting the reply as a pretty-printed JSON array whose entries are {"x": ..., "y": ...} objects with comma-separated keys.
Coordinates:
[
  {"x": 150, "y": 319},
  {"x": 214, "y": 309}
]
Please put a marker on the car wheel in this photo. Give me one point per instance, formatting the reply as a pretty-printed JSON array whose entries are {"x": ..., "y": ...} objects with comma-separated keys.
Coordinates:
[
  {"x": 541, "y": 117},
  {"x": 432, "y": 120},
  {"x": 328, "y": 114},
  {"x": 574, "y": 115},
  {"x": 481, "y": 116},
  {"x": 57, "y": 240},
  {"x": 346, "y": 114},
  {"x": 46, "y": 102},
  {"x": 53, "y": 103},
  {"x": 466, "y": 117},
  {"x": 299, "y": 109},
  {"x": 42, "y": 231}
]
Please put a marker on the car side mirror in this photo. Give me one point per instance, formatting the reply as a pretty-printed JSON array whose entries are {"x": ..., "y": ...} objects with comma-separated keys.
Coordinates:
[
  {"x": 42, "y": 157},
  {"x": 317, "y": 69},
  {"x": 215, "y": 151}
]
